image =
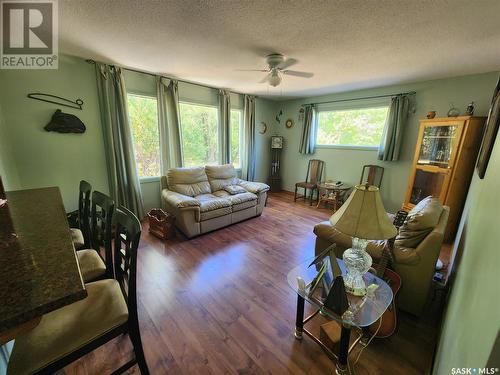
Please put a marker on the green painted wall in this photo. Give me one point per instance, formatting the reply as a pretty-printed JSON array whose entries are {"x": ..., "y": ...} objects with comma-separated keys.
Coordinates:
[
  {"x": 38, "y": 158},
  {"x": 472, "y": 319},
  {"x": 345, "y": 165}
]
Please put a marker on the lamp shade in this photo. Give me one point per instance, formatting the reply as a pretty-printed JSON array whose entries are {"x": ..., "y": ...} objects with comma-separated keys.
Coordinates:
[{"x": 363, "y": 215}]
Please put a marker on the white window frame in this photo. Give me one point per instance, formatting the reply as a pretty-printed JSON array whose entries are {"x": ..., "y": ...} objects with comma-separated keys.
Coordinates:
[
  {"x": 346, "y": 106},
  {"x": 148, "y": 179}
]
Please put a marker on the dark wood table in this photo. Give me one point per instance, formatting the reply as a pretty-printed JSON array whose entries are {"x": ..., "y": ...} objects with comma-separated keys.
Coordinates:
[{"x": 38, "y": 263}]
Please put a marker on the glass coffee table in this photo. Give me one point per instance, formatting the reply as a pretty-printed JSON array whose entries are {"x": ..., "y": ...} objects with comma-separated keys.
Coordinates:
[{"x": 362, "y": 311}]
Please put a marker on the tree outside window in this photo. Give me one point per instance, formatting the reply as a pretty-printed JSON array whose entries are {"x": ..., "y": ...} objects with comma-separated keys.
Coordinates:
[
  {"x": 144, "y": 125},
  {"x": 358, "y": 127}
]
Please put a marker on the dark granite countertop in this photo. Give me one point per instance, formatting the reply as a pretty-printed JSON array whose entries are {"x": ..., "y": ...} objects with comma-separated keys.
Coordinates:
[{"x": 39, "y": 270}]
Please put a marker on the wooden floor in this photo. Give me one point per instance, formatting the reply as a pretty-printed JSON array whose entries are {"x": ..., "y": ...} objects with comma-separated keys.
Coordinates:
[{"x": 220, "y": 304}]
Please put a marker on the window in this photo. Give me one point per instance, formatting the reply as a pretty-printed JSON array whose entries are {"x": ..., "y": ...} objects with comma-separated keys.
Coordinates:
[
  {"x": 145, "y": 133},
  {"x": 199, "y": 125},
  {"x": 236, "y": 136},
  {"x": 361, "y": 127}
]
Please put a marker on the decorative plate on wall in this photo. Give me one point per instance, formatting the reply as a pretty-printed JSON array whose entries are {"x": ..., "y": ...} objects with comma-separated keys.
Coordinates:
[
  {"x": 263, "y": 128},
  {"x": 289, "y": 123}
]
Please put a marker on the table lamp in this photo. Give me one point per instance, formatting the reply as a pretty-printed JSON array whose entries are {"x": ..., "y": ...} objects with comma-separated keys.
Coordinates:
[{"x": 364, "y": 218}]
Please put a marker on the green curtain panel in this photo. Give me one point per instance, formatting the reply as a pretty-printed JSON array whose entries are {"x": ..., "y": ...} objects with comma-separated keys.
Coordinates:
[
  {"x": 392, "y": 137},
  {"x": 167, "y": 92},
  {"x": 248, "y": 154},
  {"x": 123, "y": 179},
  {"x": 225, "y": 126},
  {"x": 308, "y": 139}
]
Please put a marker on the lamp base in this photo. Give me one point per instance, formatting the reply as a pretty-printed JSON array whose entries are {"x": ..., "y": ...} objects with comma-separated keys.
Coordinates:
[{"x": 357, "y": 262}]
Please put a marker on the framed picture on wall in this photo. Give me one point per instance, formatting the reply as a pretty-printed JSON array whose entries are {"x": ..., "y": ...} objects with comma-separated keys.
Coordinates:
[{"x": 490, "y": 133}]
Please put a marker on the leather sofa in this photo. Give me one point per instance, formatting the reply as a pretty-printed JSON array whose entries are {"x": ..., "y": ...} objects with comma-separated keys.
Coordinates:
[
  {"x": 203, "y": 199},
  {"x": 416, "y": 250}
]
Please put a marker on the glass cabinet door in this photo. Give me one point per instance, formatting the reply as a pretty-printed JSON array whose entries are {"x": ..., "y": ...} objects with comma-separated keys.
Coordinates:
[
  {"x": 438, "y": 145},
  {"x": 427, "y": 183}
]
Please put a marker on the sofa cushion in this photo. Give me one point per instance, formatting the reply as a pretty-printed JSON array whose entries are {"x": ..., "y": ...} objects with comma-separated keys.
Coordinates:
[
  {"x": 254, "y": 187},
  {"x": 188, "y": 181},
  {"x": 209, "y": 202},
  {"x": 234, "y": 189},
  {"x": 207, "y": 215},
  {"x": 220, "y": 176},
  {"x": 421, "y": 220}
]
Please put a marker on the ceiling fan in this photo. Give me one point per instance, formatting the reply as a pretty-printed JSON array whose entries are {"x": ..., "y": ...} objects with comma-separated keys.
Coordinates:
[{"x": 277, "y": 66}]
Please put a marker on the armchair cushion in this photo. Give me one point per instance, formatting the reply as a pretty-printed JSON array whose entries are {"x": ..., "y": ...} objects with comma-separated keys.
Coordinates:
[
  {"x": 421, "y": 220},
  {"x": 179, "y": 200},
  {"x": 188, "y": 181},
  {"x": 254, "y": 187}
]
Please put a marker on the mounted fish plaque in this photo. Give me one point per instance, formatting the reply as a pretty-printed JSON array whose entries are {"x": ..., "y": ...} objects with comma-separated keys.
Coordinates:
[{"x": 65, "y": 123}]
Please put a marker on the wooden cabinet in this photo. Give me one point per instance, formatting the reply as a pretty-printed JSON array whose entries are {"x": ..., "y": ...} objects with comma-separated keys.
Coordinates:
[{"x": 443, "y": 164}]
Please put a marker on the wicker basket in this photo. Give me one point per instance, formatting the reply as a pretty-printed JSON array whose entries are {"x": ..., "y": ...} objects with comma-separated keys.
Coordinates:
[{"x": 161, "y": 224}]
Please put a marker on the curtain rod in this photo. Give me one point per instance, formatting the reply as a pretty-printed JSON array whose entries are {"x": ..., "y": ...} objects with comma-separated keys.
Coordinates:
[
  {"x": 365, "y": 97},
  {"x": 90, "y": 61}
]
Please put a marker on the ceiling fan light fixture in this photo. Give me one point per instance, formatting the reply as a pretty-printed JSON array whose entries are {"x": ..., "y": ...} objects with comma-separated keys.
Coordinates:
[{"x": 274, "y": 79}]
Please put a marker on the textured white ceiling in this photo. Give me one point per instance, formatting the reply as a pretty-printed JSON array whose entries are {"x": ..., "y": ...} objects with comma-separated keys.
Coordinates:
[{"x": 348, "y": 44}]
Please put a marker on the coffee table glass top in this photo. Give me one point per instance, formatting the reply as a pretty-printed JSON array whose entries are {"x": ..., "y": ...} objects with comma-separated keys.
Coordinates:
[{"x": 364, "y": 311}]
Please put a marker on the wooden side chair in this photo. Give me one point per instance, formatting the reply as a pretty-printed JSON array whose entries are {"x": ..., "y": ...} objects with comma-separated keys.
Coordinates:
[
  {"x": 92, "y": 265},
  {"x": 110, "y": 310},
  {"x": 313, "y": 177},
  {"x": 81, "y": 235},
  {"x": 372, "y": 175}
]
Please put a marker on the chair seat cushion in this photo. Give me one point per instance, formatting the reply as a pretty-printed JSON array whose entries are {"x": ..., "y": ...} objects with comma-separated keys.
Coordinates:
[
  {"x": 308, "y": 185},
  {"x": 91, "y": 264},
  {"x": 69, "y": 328},
  {"x": 77, "y": 238}
]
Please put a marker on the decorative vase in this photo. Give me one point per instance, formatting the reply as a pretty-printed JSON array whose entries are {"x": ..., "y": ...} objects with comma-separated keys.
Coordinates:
[
  {"x": 453, "y": 112},
  {"x": 357, "y": 262},
  {"x": 431, "y": 114}
]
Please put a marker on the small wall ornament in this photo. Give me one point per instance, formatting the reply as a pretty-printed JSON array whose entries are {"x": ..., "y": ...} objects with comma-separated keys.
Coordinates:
[
  {"x": 263, "y": 128},
  {"x": 289, "y": 123}
]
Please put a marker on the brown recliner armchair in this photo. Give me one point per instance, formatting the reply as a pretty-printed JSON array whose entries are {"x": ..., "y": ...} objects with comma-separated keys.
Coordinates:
[{"x": 415, "y": 266}]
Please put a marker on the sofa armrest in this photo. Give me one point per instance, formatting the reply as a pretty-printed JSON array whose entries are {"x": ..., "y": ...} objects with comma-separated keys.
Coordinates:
[
  {"x": 179, "y": 200},
  {"x": 253, "y": 187}
]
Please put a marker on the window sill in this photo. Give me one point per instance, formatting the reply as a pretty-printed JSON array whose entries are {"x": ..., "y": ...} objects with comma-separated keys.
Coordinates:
[
  {"x": 147, "y": 180},
  {"x": 348, "y": 147}
]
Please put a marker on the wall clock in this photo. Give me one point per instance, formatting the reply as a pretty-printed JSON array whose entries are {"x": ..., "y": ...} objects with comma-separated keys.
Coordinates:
[
  {"x": 289, "y": 123},
  {"x": 263, "y": 127},
  {"x": 276, "y": 141}
]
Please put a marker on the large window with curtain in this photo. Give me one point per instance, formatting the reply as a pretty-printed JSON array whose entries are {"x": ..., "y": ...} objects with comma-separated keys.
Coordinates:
[
  {"x": 144, "y": 124},
  {"x": 358, "y": 127},
  {"x": 236, "y": 136},
  {"x": 199, "y": 133}
]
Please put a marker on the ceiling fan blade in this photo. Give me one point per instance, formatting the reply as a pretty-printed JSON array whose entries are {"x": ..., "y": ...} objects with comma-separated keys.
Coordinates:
[
  {"x": 252, "y": 70},
  {"x": 287, "y": 63},
  {"x": 298, "y": 74},
  {"x": 265, "y": 78}
]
